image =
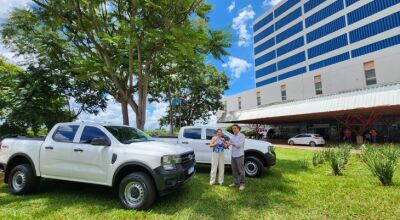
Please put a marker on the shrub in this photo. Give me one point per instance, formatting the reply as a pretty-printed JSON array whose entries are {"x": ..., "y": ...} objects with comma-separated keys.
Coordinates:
[
  {"x": 336, "y": 162},
  {"x": 305, "y": 164},
  {"x": 335, "y": 156},
  {"x": 382, "y": 161},
  {"x": 318, "y": 158},
  {"x": 229, "y": 129},
  {"x": 345, "y": 151}
]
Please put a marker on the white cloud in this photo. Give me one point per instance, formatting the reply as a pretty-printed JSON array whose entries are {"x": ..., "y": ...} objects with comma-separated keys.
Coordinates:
[
  {"x": 269, "y": 3},
  {"x": 232, "y": 6},
  {"x": 237, "y": 66},
  {"x": 241, "y": 25},
  {"x": 153, "y": 117},
  {"x": 8, "y": 5}
]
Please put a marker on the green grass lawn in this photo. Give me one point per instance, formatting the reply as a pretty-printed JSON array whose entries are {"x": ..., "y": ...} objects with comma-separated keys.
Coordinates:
[{"x": 285, "y": 192}]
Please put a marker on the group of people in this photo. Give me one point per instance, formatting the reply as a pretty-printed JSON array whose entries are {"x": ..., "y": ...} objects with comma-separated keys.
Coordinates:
[
  {"x": 219, "y": 143},
  {"x": 369, "y": 136}
]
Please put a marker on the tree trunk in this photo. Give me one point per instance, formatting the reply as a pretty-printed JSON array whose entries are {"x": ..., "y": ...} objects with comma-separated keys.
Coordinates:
[
  {"x": 125, "y": 115},
  {"x": 141, "y": 116}
]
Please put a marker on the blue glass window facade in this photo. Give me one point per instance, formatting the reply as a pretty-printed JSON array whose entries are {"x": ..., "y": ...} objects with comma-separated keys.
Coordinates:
[
  {"x": 263, "y": 22},
  {"x": 293, "y": 60},
  {"x": 311, "y": 4},
  {"x": 290, "y": 46},
  {"x": 284, "y": 7},
  {"x": 292, "y": 73},
  {"x": 264, "y": 46},
  {"x": 288, "y": 18},
  {"x": 280, "y": 45},
  {"x": 267, "y": 81},
  {"x": 330, "y": 61},
  {"x": 266, "y": 70},
  {"x": 388, "y": 42},
  {"x": 350, "y": 2},
  {"x": 326, "y": 29},
  {"x": 264, "y": 33},
  {"x": 376, "y": 27},
  {"x": 328, "y": 46},
  {"x": 265, "y": 58},
  {"x": 370, "y": 9},
  {"x": 289, "y": 32},
  {"x": 324, "y": 13}
]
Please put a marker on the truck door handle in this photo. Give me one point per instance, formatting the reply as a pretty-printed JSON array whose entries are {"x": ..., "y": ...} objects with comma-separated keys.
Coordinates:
[
  {"x": 185, "y": 142},
  {"x": 49, "y": 148},
  {"x": 78, "y": 150},
  {"x": 207, "y": 143}
]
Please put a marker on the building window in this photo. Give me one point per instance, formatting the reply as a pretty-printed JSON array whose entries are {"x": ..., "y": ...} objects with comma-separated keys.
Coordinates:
[
  {"x": 283, "y": 92},
  {"x": 239, "y": 103},
  {"x": 318, "y": 85},
  {"x": 258, "y": 98},
  {"x": 370, "y": 75}
]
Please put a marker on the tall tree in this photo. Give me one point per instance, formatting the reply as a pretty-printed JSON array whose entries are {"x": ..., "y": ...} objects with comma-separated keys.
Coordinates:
[
  {"x": 125, "y": 41},
  {"x": 198, "y": 86}
]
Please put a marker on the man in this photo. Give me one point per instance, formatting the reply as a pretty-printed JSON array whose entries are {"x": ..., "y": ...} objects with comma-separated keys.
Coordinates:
[
  {"x": 347, "y": 135},
  {"x": 237, "y": 162},
  {"x": 373, "y": 135}
]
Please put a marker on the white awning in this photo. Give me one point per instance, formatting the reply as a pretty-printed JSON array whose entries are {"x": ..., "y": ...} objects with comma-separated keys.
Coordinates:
[{"x": 374, "y": 97}]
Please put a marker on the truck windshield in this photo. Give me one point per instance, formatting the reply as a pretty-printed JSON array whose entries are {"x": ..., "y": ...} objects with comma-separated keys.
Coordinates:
[{"x": 128, "y": 135}]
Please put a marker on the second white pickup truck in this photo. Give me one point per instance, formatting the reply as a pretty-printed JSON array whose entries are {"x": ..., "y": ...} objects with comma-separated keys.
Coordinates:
[
  {"x": 135, "y": 165},
  {"x": 258, "y": 154}
]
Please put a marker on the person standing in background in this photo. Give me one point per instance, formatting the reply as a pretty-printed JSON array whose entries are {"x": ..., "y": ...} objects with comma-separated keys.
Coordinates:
[
  {"x": 373, "y": 136},
  {"x": 237, "y": 160}
]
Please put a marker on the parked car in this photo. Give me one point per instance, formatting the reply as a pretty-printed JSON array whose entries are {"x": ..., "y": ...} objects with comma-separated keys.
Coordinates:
[
  {"x": 135, "y": 165},
  {"x": 307, "y": 139},
  {"x": 258, "y": 154}
]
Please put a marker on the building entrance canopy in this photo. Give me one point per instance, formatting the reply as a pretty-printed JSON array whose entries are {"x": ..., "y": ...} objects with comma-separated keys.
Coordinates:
[{"x": 381, "y": 99}]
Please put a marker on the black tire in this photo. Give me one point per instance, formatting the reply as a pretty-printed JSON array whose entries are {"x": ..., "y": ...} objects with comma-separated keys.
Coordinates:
[
  {"x": 253, "y": 166},
  {"x": 291, "y": 143},
  {"x": 313, "y": 144},
  {"x": 22, "y": 180},
  {"x": 142, "y": 186}
]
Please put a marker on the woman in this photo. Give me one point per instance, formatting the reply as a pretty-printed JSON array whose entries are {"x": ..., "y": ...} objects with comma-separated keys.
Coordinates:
[{"x": 218, "y": 144}]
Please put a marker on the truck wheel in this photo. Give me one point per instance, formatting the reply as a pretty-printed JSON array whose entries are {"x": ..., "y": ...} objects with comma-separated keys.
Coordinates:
[
  {"x": 312, "y": 144},
  {"x": 22, "y": 180},
  {"x": 137, "y": 191},
  {"x": 253, "y": 166}
]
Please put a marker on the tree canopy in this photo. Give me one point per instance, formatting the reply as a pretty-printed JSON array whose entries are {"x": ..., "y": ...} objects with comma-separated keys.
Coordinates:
[{"x": 122, "y": 46}]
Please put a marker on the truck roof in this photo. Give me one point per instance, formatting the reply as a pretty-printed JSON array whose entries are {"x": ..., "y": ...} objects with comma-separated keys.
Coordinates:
[{"x": 89, "y": 123}]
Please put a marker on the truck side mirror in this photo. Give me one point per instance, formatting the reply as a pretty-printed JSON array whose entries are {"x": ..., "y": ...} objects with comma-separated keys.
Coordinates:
[{"x": 100, "y": 142}]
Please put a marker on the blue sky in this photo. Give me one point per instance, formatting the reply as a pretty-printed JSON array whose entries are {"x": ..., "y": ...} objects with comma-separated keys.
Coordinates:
[
  {"x": 233, "y": 16},
  {"x": 237, "y": 17}
]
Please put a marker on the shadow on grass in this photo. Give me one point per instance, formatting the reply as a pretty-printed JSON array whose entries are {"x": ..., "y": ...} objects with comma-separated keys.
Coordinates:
[
  {"x": 200, "y": 199},
  {"x": 221, "y": 202}
]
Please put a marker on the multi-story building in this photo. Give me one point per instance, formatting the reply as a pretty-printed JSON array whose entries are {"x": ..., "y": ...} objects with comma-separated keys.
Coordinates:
[{"x": 311, "y": 48}]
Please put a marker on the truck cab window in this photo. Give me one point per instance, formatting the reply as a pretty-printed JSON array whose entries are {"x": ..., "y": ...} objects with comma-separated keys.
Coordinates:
[
  {"x": 89, "y": 133},
  {"x": 192, "y": 133},
  {"x": 65, "y": 133}
]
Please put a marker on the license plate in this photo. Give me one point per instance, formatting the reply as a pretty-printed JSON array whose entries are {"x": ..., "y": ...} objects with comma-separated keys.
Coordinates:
[{"x": 191, "y": 170}]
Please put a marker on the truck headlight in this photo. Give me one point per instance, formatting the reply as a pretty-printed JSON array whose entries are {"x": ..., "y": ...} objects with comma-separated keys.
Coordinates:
[{"x": 169, "y": 162}]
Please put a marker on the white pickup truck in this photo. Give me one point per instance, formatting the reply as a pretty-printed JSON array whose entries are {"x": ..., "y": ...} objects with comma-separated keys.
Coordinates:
[
  {"x": 258, "y": 154},
  {"x": 135, "y": 165}
]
